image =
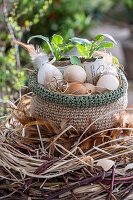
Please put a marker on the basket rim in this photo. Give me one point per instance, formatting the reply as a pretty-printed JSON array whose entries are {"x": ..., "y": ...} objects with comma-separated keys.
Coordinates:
[{"x": 92, "y": 100}]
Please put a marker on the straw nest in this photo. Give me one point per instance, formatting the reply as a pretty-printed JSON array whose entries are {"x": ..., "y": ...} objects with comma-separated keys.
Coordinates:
[{"x": 40, "y": 160}]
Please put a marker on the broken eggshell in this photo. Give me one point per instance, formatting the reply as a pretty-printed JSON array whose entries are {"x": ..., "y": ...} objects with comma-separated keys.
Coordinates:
[
  {"x": 108, "y": 60},
  {"x": 107, "y": 81},
  {"x": 90, "y": 88},
  {"x": 106, "y": 164},
  {"x": 76, "y": 88}
]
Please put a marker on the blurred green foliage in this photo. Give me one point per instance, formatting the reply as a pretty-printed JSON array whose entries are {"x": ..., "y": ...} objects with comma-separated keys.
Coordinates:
[
  {"x": 59, "y": 16},
  {"x": 25, "y": 18}
]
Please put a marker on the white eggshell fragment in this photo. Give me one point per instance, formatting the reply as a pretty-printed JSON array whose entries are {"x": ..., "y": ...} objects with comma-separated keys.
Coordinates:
[
  {"x": 106, "y": 164},
  {"x": 75, "y": 73},
  {"x": 108, "y": 81}
]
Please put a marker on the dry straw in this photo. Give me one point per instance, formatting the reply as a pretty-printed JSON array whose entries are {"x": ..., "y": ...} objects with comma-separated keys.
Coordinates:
[{"x": 40, "y": 160}]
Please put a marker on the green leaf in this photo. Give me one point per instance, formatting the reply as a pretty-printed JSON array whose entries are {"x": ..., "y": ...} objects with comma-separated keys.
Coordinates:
[
  {"x": 87, "y": 48},
  {"x": 81, "y": 41},
  {"x": 38, "y": 36},
  {"x": 104, "y": 45},
  {"x": 67, "y": 48},
  {"x": 81, "y": 49},
  {"x": 115, "y": 61},
  {"x": 43, "y": 38},
  {"x": 45, "y": 47},
  {"x": 75, "y": 60},
  {"x": 57, "y": 39},
  {"x": 109, "y": 37},
  {"x": 55, "y": 46},
  {"x": 99, "y": 38}
]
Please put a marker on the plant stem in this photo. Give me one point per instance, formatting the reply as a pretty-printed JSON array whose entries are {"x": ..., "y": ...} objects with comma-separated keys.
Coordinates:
[
  {"x": 50, "y": 48},
  {"x": 92, "y": 49}
]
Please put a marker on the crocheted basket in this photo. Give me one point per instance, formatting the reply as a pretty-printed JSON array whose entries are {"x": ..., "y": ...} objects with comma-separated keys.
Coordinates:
[{"x": 46, "y": 104}]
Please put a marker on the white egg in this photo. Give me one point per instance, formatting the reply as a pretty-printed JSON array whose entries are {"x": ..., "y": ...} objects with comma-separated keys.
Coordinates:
[
  {"x": 108, "y": 81},
  {"x": 75, "y": 73}
]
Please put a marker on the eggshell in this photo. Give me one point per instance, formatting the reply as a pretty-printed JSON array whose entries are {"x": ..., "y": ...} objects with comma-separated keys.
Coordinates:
[
  {"x": 75, "y": 73},
  {"x": 106, "y": 164},
  {"x": 90, "y": 87},
  {"x": 108, "y": 81},
  {"x": 76, "y": 88}
]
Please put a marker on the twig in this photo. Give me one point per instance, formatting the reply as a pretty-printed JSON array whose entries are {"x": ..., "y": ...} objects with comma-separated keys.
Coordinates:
[
  {"x": 87, "y": 181},
  {"x": 101, "y": 178},
  {"x": 103, "y": 186},
  {"x": 25, "y": 196},
  {"x": 112, "y": 183},
  {"x": 9, "y": 195},
  {"x": 127, "y": 194},
  {"x": 8, "y": 102},
  {"x": 39, "y": 170},
  {"x": 121, "y": 180},
  {"x": 70, "y": 190},
  {"x": 11, "y": 31},
  {"x": 83, "y": 172}
]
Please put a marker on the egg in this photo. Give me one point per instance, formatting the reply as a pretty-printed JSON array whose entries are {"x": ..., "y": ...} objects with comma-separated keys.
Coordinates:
[
  {"x": 76, "y": 88},
  {"x": 90, "y": 87},
  {"x": 75, "y": 73},
  {"x": 108, "y": 81}
]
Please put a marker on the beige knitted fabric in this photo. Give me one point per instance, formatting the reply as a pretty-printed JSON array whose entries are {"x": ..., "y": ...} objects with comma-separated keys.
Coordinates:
[{"x": 78, "y": 117}]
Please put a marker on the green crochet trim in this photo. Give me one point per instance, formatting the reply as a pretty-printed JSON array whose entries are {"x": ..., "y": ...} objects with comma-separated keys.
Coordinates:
[{"x": 78, "y": 101}]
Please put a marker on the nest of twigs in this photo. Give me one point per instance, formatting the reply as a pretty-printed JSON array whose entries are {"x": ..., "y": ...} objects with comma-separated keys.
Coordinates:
[{"x": 40, "y": 160}]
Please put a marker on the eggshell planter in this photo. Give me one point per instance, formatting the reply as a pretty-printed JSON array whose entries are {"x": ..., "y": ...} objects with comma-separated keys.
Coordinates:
[
  {"x": 62, "y": 64},
  {"x": 78, "y": 110},
  {"x": 93, "y": 67}
]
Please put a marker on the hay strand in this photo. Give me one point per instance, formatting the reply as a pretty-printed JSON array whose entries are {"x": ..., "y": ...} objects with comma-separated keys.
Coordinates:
[{"x": 39, "y": 158}]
